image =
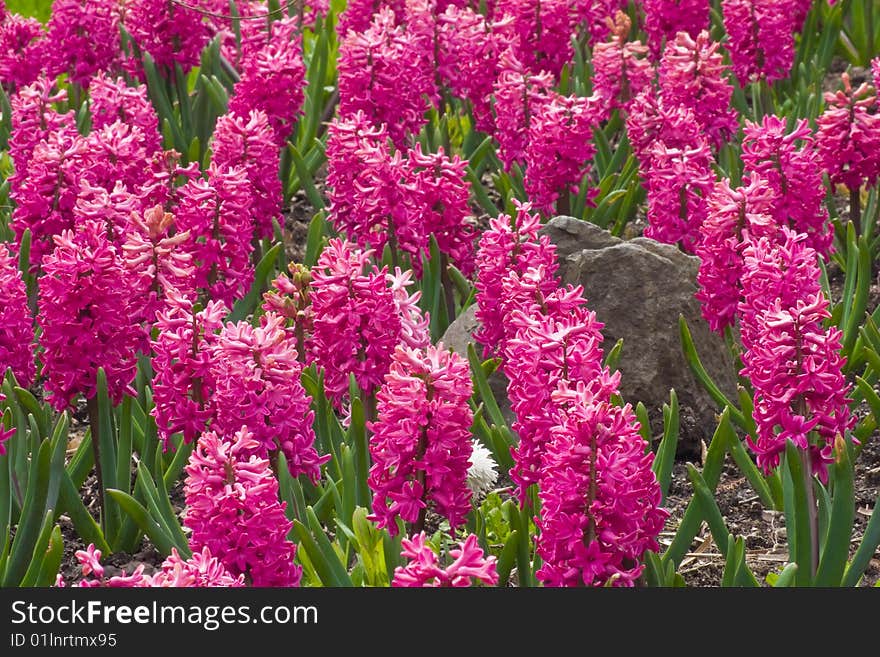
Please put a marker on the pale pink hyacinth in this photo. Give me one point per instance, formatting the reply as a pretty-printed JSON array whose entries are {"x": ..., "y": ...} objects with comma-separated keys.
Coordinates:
[
  {"x": 16, "y": 322},
  {"x": 469, "y": 566},
  {"x": 600, "y": 501},
  {"x": 421, "y": 440},
  {"x": 111, "y": 100},
  {"x": 183, "y": 384},
  {"x": 359, "y": 14},
  {"x": 732, "y": 217},
  {"x": 371, "y": 67},
  {"x": 791, "y": 358},
  {"x": 356, "y": 324},
  {"x": 171, "y": 33},
  {"x": 115, "y": 153},
  {"x": 113, "y": 208},
  {"x": 556, "y": 338},
  {"x": 761, "y": 38},
  {"x": 363, "y": 189},
  {"x": 692, "y": 73},
  {"x": 559, "y": 149},
  {"x": 435, "y": 195},
  {"x": 518, "y": 93},
  {"x": 82, "y": 38},
  {"x": 511, "y": 244},
  {"x": 216, "y": 212},
  {"x": 848, "y": 135},
  {"x": 621, "y": 68},
  {"x": 21, "y": 50},
  {"x": 256, "y": 378},
  {"x": 232, "y": 508},
  {"x": 414, "y": 324},
  {"x": 199, "y": 570},
  {"x": 87, "y": 317},
  {"x": 789, "y": 164},
  {"x": 665, "y": 18},
  {"x": 156, "y": 260},
  {"x": 34, "y": 118},
  {"x": 469, "y": 51},
  {"x": 248, "y": 142},
  {"x": 273, "y": 79},
  {"x": 539, "y": 32}
]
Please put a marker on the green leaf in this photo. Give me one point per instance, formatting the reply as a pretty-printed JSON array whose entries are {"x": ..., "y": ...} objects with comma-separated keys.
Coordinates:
[
  {"x": 481, "y": 383},
  {"x": 506, "y": 559},
  {"x": 665, "y": 458},
  {"x": 52, "y": 559},
  {"x": 161, "y": 539},
  {"x": 33, "y": 511},
  {"x": 262, "y": 278},
  {"x": 39, "y": 552},
  {"x": 801, "y": 515},
  {"x": 786, "y": 577},
  {"x": 305, "y": 178},
  {"x": 315, "y": 239},
  {"x": 866, "y": 549},
  {"x": 88, "y": 530},
  {"x": 834, "y": 556},
  {"x": 613, "y": 355}
]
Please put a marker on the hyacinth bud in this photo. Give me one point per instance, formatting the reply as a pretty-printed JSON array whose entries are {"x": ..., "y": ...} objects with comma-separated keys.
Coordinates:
[
  {"x": 469, "y": 565},
  {"x": 232, "y": 509},
  {"x": 16, "y": 323},
  {"x": 421, "y": 440}
]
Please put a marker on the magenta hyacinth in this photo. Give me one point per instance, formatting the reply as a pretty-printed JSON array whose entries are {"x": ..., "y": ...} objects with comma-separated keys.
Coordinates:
[
  {"x": 423, "y": 569},
  {"x": 256, "y": 378},
  {"x": 789, "y": 163},
  {"x": 21, "y": 50},
  {"x": 761, "y": 38},
  {"x": 232, "y": 508},
  {"x": 111, "y": 100},
  {"x": 666, "y": 18},
  {"x": 848, "y": 135},
  {"x": 371, "y": 66},
  {"x": 468, "y": 63},
  {"x": 183, "y": 385},
  {"x": 273, "y": 80},
  {"x": 539, "y": 31},
  {"x": 509, "y": 245},
  {"x": 556, "y": 339},
  {"x": 436, "y": 194},
  {"x": 216, "y": 212},
  {"x": 414, "y": 324},
  {"x": 248, "y": 142},
  {"x": 359, "y": 14},
  {"x": 16, "y": 322},
  {"x": 791, "y": 358},
  {"x": 732, "y": 217},
  {"x": 421, "y": 439},
  {"x": 621, "y": 69},
  {"x": 82, "y": 38},
  {"x": 34, "y": 118},
  {"x": 559, "y": 149},
  {"x": 169, "y": 32},
  {"x": 600, "y": 501},
  {"x": 356, "y": 324},
  {"x": 518, "y": 93},
  {"x": 88, "y": 318},
  {"x": 692, "y": 73}
]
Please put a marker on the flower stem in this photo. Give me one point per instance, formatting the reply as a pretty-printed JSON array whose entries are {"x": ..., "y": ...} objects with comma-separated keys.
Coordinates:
[
  {"x": 806, "y": 466},
  {"x": 94, "y": 423},
  {"x": 855, "y": 209}
]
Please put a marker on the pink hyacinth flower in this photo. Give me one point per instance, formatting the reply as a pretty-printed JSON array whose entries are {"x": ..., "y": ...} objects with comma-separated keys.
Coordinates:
[
  {"x": 169, "y": 32},
  {"x": 621, "y": 69},
  {"x": 421, "y": 439},
  {"x": 82, "y": 38},
  {"x": 16, "y": 323},
  {"x": 469, "y": 565},
  {"x": 21, "y": 50},
  {"x": 761, "y": 38},
  {"x": 666, "y": 18}
]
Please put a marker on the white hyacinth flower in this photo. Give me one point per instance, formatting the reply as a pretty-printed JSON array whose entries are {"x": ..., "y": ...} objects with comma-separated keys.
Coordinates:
[{"x": 482, "y": 473}]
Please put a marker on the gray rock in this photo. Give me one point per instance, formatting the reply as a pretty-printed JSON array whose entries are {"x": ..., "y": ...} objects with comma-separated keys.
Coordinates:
[{"x": 638, "y": 289}]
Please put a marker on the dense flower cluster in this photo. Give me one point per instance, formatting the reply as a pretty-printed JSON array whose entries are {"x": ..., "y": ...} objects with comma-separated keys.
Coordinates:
[
  {"x": 692, "y": 74},
  {"x": 789, "y": 164},
  {"x": 110, "y": 100},
  {"x": 761, "y": 34},
  {"x": 356, "y": 324},
  {"x": 273, "y": 80},
  {"x": 423, "y": 570},
  {"x": 256, "y": 377},
  {"x": 421, "y": 439},
  {"x": 183, "y": 385},
  {"x": 16, "y": 328},
  {"x": 621, "y": 69},
  {"x": 510, "y": 245},
  {"x": 169, "y": 32},
  {"x": 559, "y": 149},
  {"x": 792, "y": 360},
  {"x": 233, "y": 510},
  {"x": 599, "y": 498},
  {"x": 82, "y": 38},
  {"x": 87, "y": 318},
  {"x": 539, "y": 32},
  {"x": 21, "y": 50},
  {"x": 848, "y": 135},
  {"x": 666, "y": 18}
]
